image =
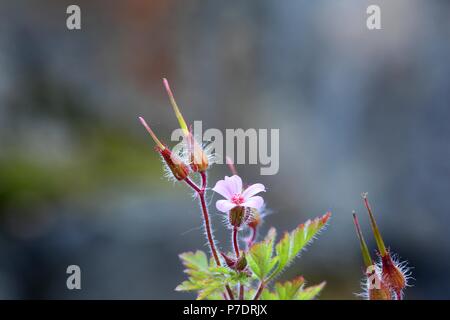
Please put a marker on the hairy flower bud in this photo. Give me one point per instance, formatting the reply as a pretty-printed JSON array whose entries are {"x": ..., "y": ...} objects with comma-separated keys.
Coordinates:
[
  {"x": 393, "y": 275},
  {"x": 230, "y": 262},
  {"x": 374, "y": 288},
  {"x": 197, "y": 157},
  {"x": 178, "y": 168},
  {"x": 237, "y": 216},
  {"x": 241, "y": 263},
  {"x": 238, "y": 264},
  {"x": 384, "y": 293},
  {"x": 255, "y": 219}
]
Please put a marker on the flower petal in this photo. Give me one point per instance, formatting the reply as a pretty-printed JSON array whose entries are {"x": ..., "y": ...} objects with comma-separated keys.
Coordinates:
[
  {"x": 223, "y": 188},
  {"x": 224, "y": 205},
  {"x": 254, "y": 202},
  {"x": 235, "y": 184},
  {"x": 253, "y": 189}
]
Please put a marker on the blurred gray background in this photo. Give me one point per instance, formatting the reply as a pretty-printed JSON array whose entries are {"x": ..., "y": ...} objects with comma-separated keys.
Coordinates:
[{"x": 357, "y": 110}]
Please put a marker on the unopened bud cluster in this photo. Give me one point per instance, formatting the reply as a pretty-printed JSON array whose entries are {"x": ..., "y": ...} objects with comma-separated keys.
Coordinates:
[
  {"x": 388, "y": 278},
  {"x": 197, "y": 158}
]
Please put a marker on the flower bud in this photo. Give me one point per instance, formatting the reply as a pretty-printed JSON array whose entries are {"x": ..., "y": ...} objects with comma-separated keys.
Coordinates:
[
  {"x": 384, "y": 293},
  {"x": 178, "y": 168},
  {"x": 238, "y": 264},
  {"x": 237, "y": 216},
  {"x": 230, "y": 262},
  {"x": 393, "y": 275},
  {"x": 241, "y": 263},
  {"x": 197, "y": 157},
  {"x": 255, "y": 219},
  {"x": 376, "y": 288},
  {"x": 378, "y": 294}
]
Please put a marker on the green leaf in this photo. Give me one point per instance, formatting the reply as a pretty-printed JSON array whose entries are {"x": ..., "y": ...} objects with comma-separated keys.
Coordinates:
[
  {"x": 268, "y": 295},
  {"x": 205, "y": 277},
  {"x": 284, "y": 291},
  {"x": 215, "y": 296},
  {"x": 195, "y": 261},
  {"x": 310, "y": 292},
  {"x": 292, "y": 243},
  {"x": 289, "y": 289},
  {"x": 292, "y": 290},
  {"x": 260, "y": 258}
]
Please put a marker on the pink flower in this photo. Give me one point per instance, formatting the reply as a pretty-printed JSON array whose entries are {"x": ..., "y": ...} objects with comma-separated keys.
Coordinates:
[{"x": 231, "y": 189}]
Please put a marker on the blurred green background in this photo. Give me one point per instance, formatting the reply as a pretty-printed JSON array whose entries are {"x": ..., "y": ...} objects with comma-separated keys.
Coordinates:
[{"x": 357, "y": 110}]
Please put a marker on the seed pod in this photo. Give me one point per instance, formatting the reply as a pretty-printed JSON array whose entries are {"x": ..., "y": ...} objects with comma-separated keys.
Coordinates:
[
  {"x": 394, "y": 275},
  {"x": 178, "y": 168},
  {"x": 197, "y": 157},
  {"x": 375, "y": 287}
]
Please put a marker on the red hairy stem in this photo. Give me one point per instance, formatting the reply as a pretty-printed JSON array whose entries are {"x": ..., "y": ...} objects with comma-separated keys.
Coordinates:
[
  {"x": 230, "y": 293},
  {"x": 201, "y": 194},
  {"x": 236, "y": 251},
  {"x": 235, "y": 242},
  {"x": 204, "y": 180},
  {"x": 209, "y": 234},
  {"x": 192, "y": 185},
  {"x": 260, "y": 290},
  {"x": 208, "y": 228}
]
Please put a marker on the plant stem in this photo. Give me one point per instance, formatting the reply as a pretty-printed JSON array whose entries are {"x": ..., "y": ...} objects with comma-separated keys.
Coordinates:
[
  {"x": 235, "y": 242},
  {"x": 260, "y": 290},
  {"x": 204, "y": 180},
  {"x": 192, "y": 185},
  {"x": 237, "y": 253},
  {"x": 201, "y": 194},
  {"x": 208, "y": 228},
  {"x": 230, "y": 293},
  {"x": 241, "y": 291},
  {"x": 209, "y": 234}
]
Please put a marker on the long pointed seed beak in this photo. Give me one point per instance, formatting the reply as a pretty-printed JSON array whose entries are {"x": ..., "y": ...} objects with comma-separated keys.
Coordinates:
[
  {"x": 364, "y": 250},
  {"x": 376, "y": 232},
  {"x": 178, "y": 114},
  {"x": 155, "y": 138}
]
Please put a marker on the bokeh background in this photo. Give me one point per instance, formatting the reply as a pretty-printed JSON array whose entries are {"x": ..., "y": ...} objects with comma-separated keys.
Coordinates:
[{"x": 357, "y": 110}]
